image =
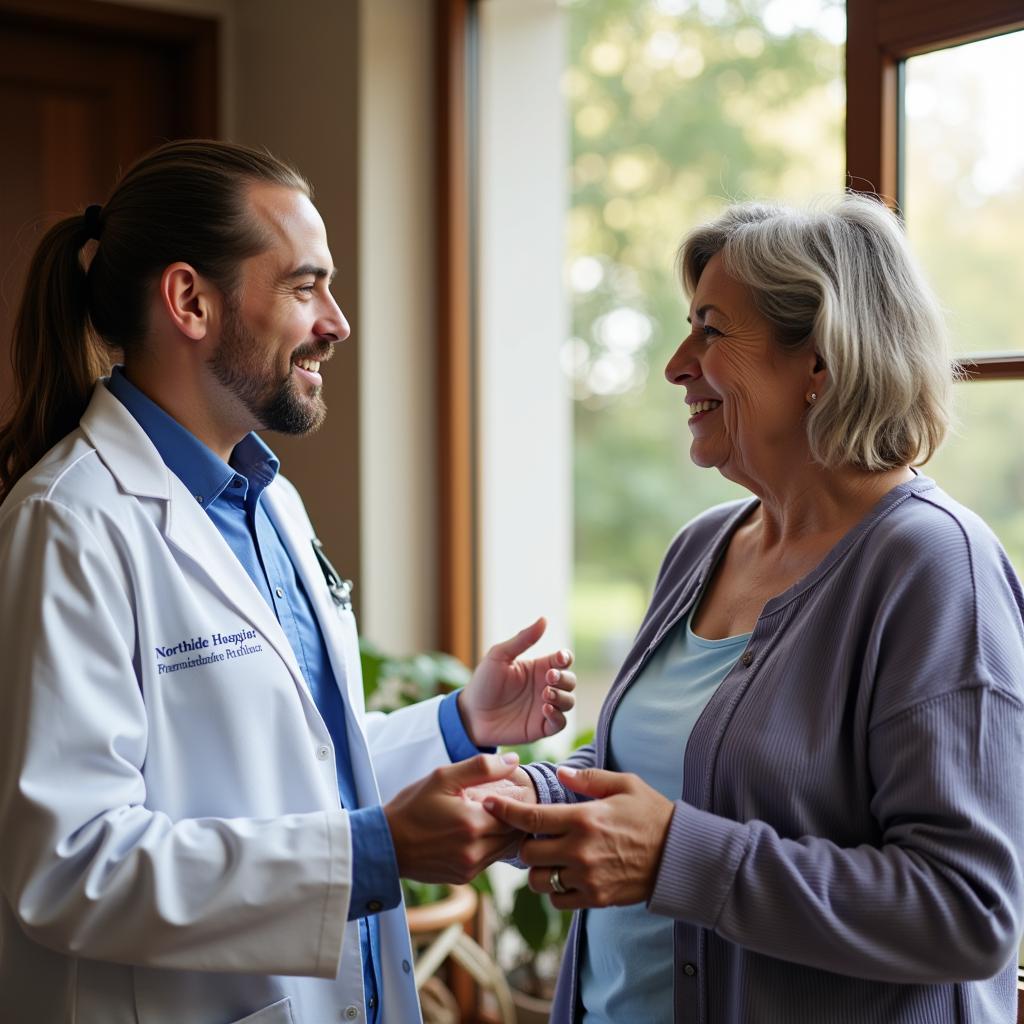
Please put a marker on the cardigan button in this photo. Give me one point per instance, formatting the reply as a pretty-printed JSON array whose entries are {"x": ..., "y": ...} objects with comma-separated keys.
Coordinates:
[
  {"x": 747, "y": 659},
  {"x": 689, "y": 970}
]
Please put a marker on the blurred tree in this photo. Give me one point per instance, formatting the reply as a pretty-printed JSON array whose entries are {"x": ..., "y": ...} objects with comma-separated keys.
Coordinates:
[{"x": 678, "y": 107}]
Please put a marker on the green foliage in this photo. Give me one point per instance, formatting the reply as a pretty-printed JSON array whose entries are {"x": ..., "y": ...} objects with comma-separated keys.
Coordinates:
[
  {"x": 391, "y": 682},
  {"x": 530, "y": 916},
  {"x": 540, "y": 925},
  {"x": 418, "y": 894}
]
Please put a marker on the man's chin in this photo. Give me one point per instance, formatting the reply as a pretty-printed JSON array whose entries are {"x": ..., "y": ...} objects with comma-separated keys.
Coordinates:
[{"x": 295, "y": 416}]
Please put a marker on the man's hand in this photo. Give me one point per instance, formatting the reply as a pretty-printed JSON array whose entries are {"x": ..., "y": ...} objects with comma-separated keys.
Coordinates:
[
  {"x": 440, "y": 834},
  {"x": 509, "y": 700},
  {"x": 606, "y": 850}
]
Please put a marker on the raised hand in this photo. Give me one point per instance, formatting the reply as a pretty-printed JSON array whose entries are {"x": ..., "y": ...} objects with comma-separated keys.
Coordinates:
[
  {"x": 439, "y": 833},
  {"x": 606, "y": 850},
  {"x": 513, "y": 700}
]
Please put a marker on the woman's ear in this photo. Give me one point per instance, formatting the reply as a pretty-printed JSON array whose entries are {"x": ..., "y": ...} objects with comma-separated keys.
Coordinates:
[{"x": 819, "y": 375}]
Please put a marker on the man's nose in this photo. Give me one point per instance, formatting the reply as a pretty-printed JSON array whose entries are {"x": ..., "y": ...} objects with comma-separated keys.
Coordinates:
[{"x": 333, "y": 326}]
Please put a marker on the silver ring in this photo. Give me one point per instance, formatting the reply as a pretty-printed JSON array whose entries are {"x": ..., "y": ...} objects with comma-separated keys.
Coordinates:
[{"x": 555, "y": 881}]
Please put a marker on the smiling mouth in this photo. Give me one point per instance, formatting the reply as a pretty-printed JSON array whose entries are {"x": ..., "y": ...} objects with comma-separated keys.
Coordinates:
[
  {"x": 700, "y": 409},
  {"x": 311, "y": 365}
]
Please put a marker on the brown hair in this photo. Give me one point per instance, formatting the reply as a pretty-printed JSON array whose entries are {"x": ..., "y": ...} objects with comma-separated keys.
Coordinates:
[{"x": 183, "y": 201}]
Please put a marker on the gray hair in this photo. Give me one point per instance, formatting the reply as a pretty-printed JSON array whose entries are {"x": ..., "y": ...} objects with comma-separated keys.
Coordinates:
[{"x": 843, "y": 280}]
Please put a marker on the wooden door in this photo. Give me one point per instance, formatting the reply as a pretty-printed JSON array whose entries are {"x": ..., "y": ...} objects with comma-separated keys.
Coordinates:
[{"x": 86, "y": 88}]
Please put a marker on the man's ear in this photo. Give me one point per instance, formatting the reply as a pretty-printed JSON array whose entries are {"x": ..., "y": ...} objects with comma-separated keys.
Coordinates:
[{"x": 187, "y": 298}]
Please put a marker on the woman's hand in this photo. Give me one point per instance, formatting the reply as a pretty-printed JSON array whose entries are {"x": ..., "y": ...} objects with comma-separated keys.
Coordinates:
[
  {"x": 518, "y": 786},
  {"x": 512, "y": 700},
  {"x": 606, "y": 850}
]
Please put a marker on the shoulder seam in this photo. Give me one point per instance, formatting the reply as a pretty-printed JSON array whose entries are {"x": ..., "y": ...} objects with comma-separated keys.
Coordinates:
[
  {"x": 64, "y": 472},
  {"x": 945, "y": 695},
  {"x": 970, "y": 562}
]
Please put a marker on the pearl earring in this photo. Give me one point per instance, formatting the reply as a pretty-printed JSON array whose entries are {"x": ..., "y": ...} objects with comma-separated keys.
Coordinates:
[{"x": 812, "y": 398}]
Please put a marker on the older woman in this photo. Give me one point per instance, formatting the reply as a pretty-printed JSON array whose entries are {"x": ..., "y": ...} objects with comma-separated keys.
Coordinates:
[{"x": 813, "y": 811}]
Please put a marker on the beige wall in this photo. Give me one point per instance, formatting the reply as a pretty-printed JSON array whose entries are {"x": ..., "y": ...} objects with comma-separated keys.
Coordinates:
[
  {"x": 525, "y": 475},
  {"x": 296, "y": 73},
  {"x": 397, "y": 337}
]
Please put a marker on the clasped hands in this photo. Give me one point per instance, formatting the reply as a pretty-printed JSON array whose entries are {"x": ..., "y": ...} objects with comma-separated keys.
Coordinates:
[
  {"x": 440, "y": 833},
  {"x": 450, "y": 825}
]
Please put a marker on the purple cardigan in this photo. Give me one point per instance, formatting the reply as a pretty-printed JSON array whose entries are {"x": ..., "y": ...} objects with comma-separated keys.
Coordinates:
[{"x": 848, "y": 843}]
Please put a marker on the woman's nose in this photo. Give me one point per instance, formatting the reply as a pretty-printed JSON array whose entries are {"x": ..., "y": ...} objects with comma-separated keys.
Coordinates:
[{"x": 682, "y": 367}]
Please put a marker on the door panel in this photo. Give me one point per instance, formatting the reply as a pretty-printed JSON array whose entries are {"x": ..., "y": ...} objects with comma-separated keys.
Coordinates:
[{"x": 85, "y": 89}]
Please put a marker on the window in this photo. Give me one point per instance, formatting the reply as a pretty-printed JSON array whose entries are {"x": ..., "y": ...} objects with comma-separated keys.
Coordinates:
[{"x": 963, "y": 199}]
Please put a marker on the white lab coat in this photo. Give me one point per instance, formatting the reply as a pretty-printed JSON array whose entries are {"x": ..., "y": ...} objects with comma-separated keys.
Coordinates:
[{"x": 172, "y": 849}]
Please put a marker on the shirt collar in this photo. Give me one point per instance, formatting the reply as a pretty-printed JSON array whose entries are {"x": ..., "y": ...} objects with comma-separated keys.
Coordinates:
[{"x": 200, "y": 469}]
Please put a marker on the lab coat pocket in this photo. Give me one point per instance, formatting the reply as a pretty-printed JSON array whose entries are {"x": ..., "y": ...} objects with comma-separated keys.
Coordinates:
[{"x": 277, "y": 1013}]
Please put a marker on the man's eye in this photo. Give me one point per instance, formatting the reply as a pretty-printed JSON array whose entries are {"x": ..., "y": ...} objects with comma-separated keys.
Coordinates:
[
  {"x": 310, "y": 288},
  {"x": 711, "y": 332}
]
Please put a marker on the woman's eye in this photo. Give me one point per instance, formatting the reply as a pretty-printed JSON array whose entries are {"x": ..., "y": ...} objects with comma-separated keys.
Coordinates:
[
  {"x": 710, "y": 332},
  {"x": 308, "y": 288}
]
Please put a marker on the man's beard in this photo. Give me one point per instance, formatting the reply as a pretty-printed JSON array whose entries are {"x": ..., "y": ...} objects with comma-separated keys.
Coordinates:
[{"x": 275, "y": 403}]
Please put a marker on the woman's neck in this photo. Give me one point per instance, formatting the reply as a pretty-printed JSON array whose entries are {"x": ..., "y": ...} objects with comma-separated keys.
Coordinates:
[{"x": 819, "y": 503}]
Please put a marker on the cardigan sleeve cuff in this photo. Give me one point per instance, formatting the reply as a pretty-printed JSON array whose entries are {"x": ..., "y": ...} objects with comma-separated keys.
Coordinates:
[
  {"x": 545, "y": 781},
  {"x": 699, "y": 861}
]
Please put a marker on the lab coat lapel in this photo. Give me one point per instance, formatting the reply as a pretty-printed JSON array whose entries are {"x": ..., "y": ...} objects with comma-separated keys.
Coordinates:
[
  {"x": 191, "y": 531},
  {"x": 299, "y": 545},
  {"x": 136, "y": 464}
]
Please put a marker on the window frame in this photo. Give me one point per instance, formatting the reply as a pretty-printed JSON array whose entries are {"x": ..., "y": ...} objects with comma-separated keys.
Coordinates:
[
  {"x": 881, "y": 36},
  {"x": 458, "y": 590}
]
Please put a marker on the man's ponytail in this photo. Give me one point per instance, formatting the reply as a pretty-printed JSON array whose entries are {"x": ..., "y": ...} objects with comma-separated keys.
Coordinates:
[
  {"x": 187, "y": 201},
  {"x": 55, "y": 357}
]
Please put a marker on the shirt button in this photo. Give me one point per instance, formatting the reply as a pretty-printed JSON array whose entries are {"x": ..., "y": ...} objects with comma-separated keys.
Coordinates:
[
  {"x": 322, "y": 753},
  {"x": 237, "y": 482},
  {"x": 747, "y": 659},
  {"x": 406, "y": 966},
  {"x": 689, "y": 970},
  {"x": 351, "y": 1012},
  {"x": 374, "y": 906},
  {"x": 279, "y": 591},
  {"x": 199, "y": 498}
]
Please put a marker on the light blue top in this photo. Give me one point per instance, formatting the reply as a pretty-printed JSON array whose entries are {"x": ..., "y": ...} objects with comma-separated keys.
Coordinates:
[{"x": 626, "y": 970}]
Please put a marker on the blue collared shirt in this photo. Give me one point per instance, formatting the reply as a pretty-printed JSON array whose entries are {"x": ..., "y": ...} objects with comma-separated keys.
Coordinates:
[{"x": 230, "y": 495}]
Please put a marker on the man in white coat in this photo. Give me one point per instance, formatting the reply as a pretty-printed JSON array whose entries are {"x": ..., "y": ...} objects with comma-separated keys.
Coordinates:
[{"x": 199, "y": 822}]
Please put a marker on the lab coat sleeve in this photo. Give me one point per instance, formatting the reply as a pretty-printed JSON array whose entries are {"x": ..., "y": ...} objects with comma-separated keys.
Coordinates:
[
  {"x": 405, "y": 745},
  {"x": 86, "y": 867}
]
